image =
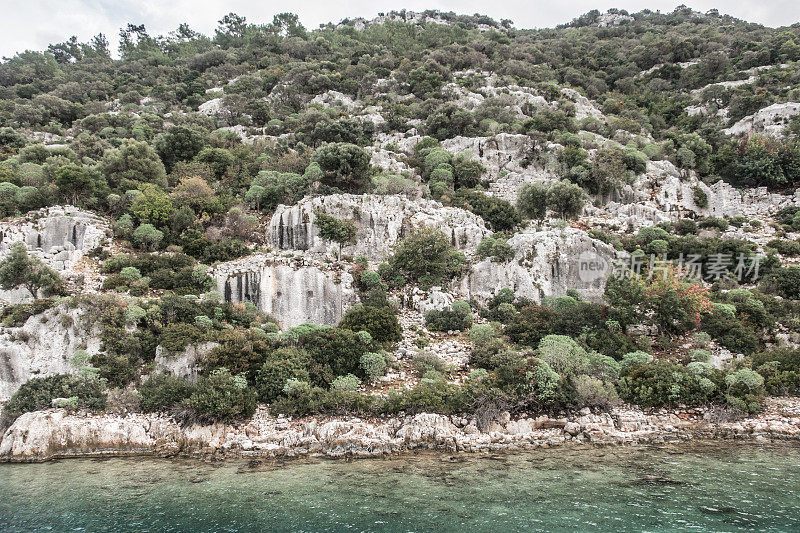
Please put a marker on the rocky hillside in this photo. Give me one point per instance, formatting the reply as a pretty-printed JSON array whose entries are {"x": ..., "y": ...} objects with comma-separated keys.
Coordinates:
[{"x": 424, "y": 212}]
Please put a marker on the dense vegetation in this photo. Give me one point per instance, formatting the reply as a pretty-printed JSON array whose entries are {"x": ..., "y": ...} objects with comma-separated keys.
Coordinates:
[{"x": 187, "y": 142}]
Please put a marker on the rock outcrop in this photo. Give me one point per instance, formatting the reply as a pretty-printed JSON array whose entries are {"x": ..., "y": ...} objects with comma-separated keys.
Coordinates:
[
  {"x": 381, "y": 221},
  {"x": 771, "y": 120},
  {"x": 545, "y": 263},
  {"x": 185, "y": 364},
  {"x": 294, "y": 290},
  {"x": 55, "y": 433},
  {"x": 43, "y": 346},
  {"x": 663, "y": 194},
  {"x": 59, "y": 235},
  {"x": 504, "y": 156}
]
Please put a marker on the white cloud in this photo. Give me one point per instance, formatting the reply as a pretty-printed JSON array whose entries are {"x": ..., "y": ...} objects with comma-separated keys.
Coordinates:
[{"x": 37, "y": 23}]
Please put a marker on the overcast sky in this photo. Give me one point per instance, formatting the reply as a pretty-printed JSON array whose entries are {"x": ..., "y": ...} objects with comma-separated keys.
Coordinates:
[{"x": 33, "y": 24}]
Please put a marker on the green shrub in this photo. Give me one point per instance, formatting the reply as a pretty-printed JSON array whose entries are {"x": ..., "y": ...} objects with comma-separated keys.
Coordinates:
[
  {"x": 162, "y": 391},
  {"x": 335, "y": 352},
  {"x": 498, "y": 249},
  {"x": 664, "y": 383},
  {"x": 373, "y": 365},
  {"x": 380, "y": 322},
  {"x": 457, "y": 318},
  {"x": 700, "y": 197},
  {"x": 686, "y": 226},
  {"x": 203, "y": 323},
  {"x": 38, "y": 393},
  {"x": 499, "y": 214},
  {"x": 129, "y": 274},
  {"x": 346, "y": 383},
  {"x": 700, "y": 355},
  {"x": 649, "y": 234},
  {"x": 281, "y": 365},
  {"x": 222, "y": 396},
  {"x": 745, "y": 390},
  {"x": 176, "y": 337},
  {"x": 12, "y": 316},
  {"x": 424, "y": 362},
  {"x": 426, "y": 257}
]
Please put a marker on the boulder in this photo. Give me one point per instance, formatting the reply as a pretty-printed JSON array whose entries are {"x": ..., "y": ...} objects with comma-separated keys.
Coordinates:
[{"x": 185, "y": 364}]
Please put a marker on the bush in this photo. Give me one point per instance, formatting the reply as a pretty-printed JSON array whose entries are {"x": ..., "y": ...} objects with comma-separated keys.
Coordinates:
[
  {"x": 335, "y": 352},
  {"x": 787, "y": 282},
  {"x": 38, "y": 393},
  {"x": 780, "y": 369},
  {"x": 424, "y": 362},
  {"x": 661, "y": 383},
  {"x": 147, "y": 237},
  {"x": 498, "y": 249},
  {"x": 19, "y": 269},
  {"x": 745, "y": 390},
  {"x": 176, "y": 337},
  {"x": 700, "y": 197},
  {"x": 380, "y": 322},
  {"x": 457, "y": 318},
  {"x": 344, "y": 166},
  {"x": 346, "y": 383},
  {"x": 281, "y": 365},
  {"x": 222, "y": 396},
  {"x": 426, "y": 257},
  {"x": 566, "y": 199},
  {"x": 634, "y": 359},
  {"x": 12, "y": 316},
  {"x": 162, "y": 391},
  {"x": 532, "y": 200},
  {"x": 499, "y": 214},
  {"x": 373, "y": 365}
]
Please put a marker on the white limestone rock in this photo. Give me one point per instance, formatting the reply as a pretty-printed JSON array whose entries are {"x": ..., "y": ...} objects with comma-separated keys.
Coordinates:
[
  {"x": 212, "y": 107},
  {"x": 294, "y": 290},
  {"x": 546, "y": 263},
  {"x": 334, "y": 99},
  {"x": 381, "y": 222},
  {"x": 503, "y": 156},
  {"x": 43, "y": 346},
  {"x": 58, "y": 235},
  {"x": 771, "y": 120},
  {"x": 185, "y": 364}
]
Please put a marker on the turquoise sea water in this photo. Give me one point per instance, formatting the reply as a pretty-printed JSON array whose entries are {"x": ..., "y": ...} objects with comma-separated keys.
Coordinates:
[{"x": 698, "y": 487}]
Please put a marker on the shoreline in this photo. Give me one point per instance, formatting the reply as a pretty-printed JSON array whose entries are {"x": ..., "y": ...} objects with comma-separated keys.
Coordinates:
[{"x": 56, "y": 434}]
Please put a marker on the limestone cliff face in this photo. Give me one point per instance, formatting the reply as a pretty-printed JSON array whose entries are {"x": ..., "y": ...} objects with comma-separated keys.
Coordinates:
[
  {"x": 546, "y": 263},
  {"x": 293, "y": 290},
  {"x": 59, "y": 235},
  {"x": 43, "y": 346},
  {"x": 381, "y": 222}
]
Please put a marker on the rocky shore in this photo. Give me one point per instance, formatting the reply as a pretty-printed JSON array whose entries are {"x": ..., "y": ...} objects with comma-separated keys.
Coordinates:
[{"x": 56, "y": 433}]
